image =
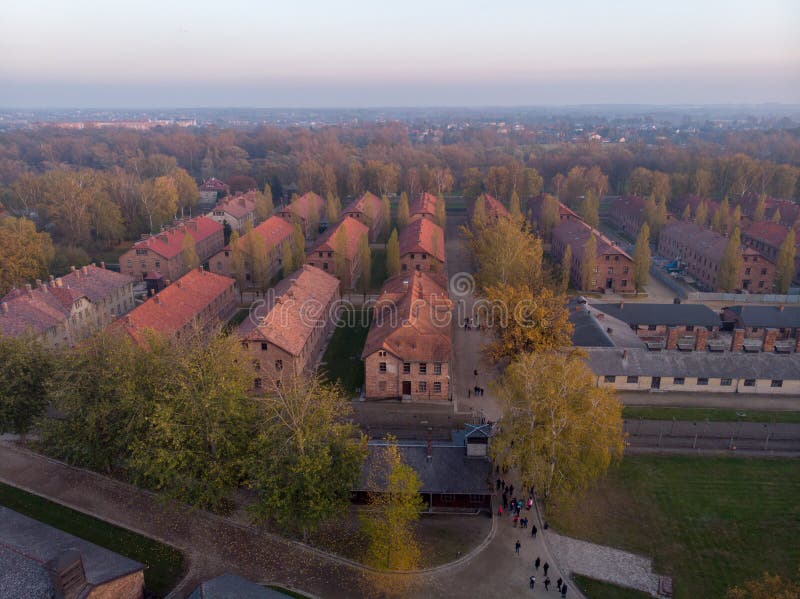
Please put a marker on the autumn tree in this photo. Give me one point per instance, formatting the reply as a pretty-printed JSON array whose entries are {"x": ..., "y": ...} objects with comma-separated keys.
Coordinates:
[
  {"x": 548, "y": 215},
  {"x": 386, "y": 217},
  {"x": 566, "y": 268},
  {"x": 307, "y": 455},
  {"x": 776, "y": 216},
  {"x": 198, "y": 433},
  {"x": 393, "y": 255},
  {"x": 506, "y": 252},
  {"x": 590, "y": 209},
  {"x": 728, "y": 275},
  {"x": 479, "y": 211},
  {"x": 159, "y": 198},
  {"x": 394, "y": 506},
  {"x": 265, "y": 206},
  {"x": 559, "y": 431},
  {"x": 402, "y": 211},
  {"x": 513, "y": 204},
  {"x": 259, "y": 261},
  {"x": 441, "y": 212},
  {"x": 237, "y": 260},
  {"x": 298, "y": 247},
  {"x": 769, "y": 586},
  {"x": 365, "y": 260},
  {"x": 785, "y": 269},
  {"x": 641, "y": 259},
  {"x": 588, "y": 264},
  {"x": 524, "y": 320},
  {"x": 24, "y": 253},
  {"x": 27, "y": 366},
  {"x": 186, "y": 187},
  {"x": 687, "y": 212},
  {"x": 701, "y": 213},
  {"x": 287, "y": 259},
  {"x": 189, "y": 253},
  {"x": 758, "y": 211}
]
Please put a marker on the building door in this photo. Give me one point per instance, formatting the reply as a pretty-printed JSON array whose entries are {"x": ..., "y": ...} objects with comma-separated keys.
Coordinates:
[
  {"x": 609, "y": 283},
  {"x": 655, "y": 382},
  {"x": 406, "y": 387}
]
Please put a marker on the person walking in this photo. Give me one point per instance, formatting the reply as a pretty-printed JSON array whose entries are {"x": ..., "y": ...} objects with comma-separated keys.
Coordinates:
[
  {"x": 533, "y": 531},
  {"x": 546, "y": 567},
  {"x": 558, "y": 584},
  {"x": 546, "y": 584},
  {"x": 536, "y": 563},
  {"x": 563, "y": 590},
  {"x": 500, "y": 510},
  {"x": 517, "y": 546},
  {"x": 532, "y": 581}
]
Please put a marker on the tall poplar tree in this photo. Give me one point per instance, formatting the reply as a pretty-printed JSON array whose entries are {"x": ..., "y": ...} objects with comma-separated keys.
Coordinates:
[
  {"x": 402, "y": 211},
  {"x": 728, "y": 275},
  {"x": 785, "y": 269},
  {"x": 393, "y": 255},
  {"x": 641, "y": 259}
]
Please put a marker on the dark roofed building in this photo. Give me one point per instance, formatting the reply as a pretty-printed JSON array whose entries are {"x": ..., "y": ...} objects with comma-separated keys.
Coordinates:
[
  {"x": 696, "y": 371},
  {"x": 452, "y": 480},
  {"x": 587, "y": 331},
  {"x": 758, "y": 321},
  {"x": 231, "y": 586},
  {"x": 38, "y": 561}
]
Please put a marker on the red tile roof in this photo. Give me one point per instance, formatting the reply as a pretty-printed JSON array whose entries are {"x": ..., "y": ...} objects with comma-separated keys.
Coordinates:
[
  {"x": 768, "y": 232},
  {"x": 576, "y": 234},
  {"x": 301, "y": 207},
  {"x": 493, "y": 206},
  {"x": 630, "y": 204},
  {"x": 424, "y": 204},
  {"x": 703, "y": 241},
  {"x": 238, "y": 206},
  {"x": 412, "y": 320},
  {"x": 169, "y": 242},
  {"x": 274, "y": 231},
  {"x": 368, "y": 204},
  {"x": 296, "y": 306},
  {"x": 353, "y": 231},
  {"x": 422, "y": 235},
  {"x": 37, "y": 309},
  {"x": 214, "y": 184},
  {"x": 176, "y": 305}
]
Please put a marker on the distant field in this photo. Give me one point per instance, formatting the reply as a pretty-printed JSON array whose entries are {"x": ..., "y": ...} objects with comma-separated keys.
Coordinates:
[
  {"x": 596, "y": 589},
  {"x": 164, "y": 564},
  {"x": 710, "y": 414},
  {"x": 710, "y": 523}
]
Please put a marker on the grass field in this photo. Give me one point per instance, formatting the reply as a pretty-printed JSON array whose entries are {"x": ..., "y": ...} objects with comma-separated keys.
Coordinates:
[
  {"x": 710, "y": 414},
  {"x": 597, "y": 589},
  {"x": 164, "y": 564},
  {"x": 710, "y": 523},
  {"x": 342, "y": 359}
]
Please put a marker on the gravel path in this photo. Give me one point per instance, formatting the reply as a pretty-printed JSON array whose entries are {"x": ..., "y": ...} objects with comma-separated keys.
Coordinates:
[{"x": 605, "y": 563}]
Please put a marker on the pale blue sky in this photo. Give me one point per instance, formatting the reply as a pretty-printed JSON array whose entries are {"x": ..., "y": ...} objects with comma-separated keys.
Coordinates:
[{"x": 414, "y": 52}]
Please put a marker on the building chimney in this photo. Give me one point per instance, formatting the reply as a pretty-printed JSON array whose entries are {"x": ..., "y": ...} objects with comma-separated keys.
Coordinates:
[
  {"x": 67, "y": 574},
  {"x": 59, "y": 282},
  {"x": 85, "y": 270},
  {"x": 72, "y": 268},
  {"x": 769, "y": 340},
  {"x": 672, "y": 338},
  {"x": 38, "y": 283},
  {"x": 700, "y": 339},
  {"x": 102, "y": 264},
  {"x": 152, "y": 292},
  {"x": 5, "y": 307},
  {"x": 737, "y": 341},
  {"x": 52, "y": 278}
]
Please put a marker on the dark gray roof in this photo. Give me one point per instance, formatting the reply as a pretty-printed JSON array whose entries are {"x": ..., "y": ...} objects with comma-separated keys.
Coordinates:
[
  {"x": 27, "y": 544},
  {"x": 664, "y": 314},
  {"x": 587, "y": 331},
  {"x": 449, "y": 471},
  {"x": 768, "y": 316},
  {"x": 641, "y": 362},
  {"x": 231, "y": 586}
]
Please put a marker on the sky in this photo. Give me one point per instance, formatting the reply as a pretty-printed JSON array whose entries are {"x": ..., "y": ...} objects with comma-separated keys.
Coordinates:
[{"x": 358, "y": 53}]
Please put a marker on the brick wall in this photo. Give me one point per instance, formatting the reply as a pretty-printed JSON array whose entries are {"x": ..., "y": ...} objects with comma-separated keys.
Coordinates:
[{"x": 388, "y": 381}]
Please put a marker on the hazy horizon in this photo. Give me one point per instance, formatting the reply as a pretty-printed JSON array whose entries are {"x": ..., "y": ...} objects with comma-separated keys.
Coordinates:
[{"x": 356, "y": 54}]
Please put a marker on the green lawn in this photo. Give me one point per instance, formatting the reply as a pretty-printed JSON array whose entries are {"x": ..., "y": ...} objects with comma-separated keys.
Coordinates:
[
  {"x": 710, "y": 523},
  {"x": 342, "y": 359},
  {"x": 597, "y": 589},
  {"x": 710, "y": 414},
  {"x": 164, "y": 564}
]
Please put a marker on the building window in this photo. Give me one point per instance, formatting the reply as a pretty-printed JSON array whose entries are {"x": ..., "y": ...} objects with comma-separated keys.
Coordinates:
[
  {"x": 624, "y": 282},
  {"x": 763, "y": 271},
  {"x": 382, "y": 367},
  {"x": 651, "y": 327},
  {"x": 263, "y": 346},
  {"x": 702, "y": 380},
  {"x": 437, "y": 368},
  {"x": 749, "y": 382},
  {"x": 610, "y": 378},
  {"x": 611, "y": 270},
  {"x": 422, "y": 386},
  {"x": 141, "y": 252},
  {"x": 324, "y": 266},
  {"x": 725, "y": 382},
  {"x": 776, "y": 383},
  {"x": 406, "y": 368},
  {"x": 678, "y": 380},
  {"x": 158, "y": 264},
  {"x": 689, "y": 328},
  {"x": 256, "y": 364},
  {"x": 423, "y": 368},
  {"x": 319, "y": 254},
  {"x": 278, "y": 364},
  {"x": 633, "y": 379},
  {"x": 330, "y": 254},
  {"x": 437, "y": 387},
  {"x": 382, "y": 354}
]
